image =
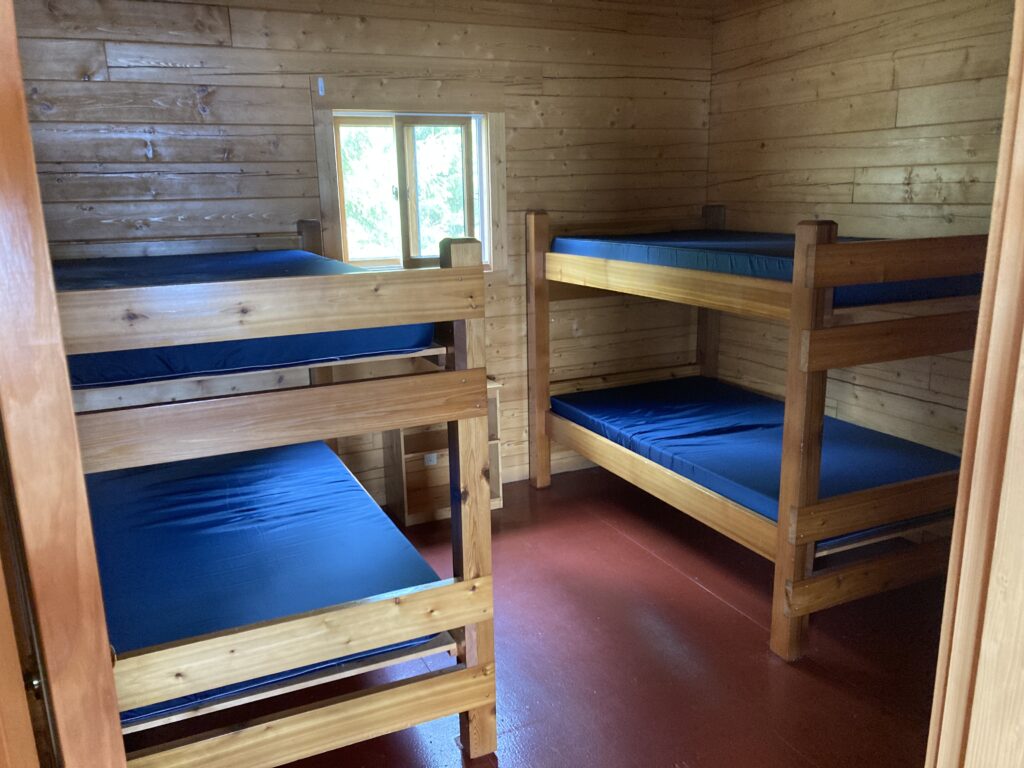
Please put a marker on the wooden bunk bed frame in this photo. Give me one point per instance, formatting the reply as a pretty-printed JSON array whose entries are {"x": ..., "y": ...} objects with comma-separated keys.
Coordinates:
[
  {"x": 818, "y": 340},
  {"x": 158, "y": 432}
]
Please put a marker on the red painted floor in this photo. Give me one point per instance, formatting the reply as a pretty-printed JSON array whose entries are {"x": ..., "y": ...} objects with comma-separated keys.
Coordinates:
[{"x": 628, "y": 635}]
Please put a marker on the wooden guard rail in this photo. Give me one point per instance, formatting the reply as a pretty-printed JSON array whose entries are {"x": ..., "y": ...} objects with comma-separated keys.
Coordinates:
[
  {"x": 206, "y": 663},
  {"x": 833, "y": 265},
  {"x": 153, "y": 434},
  {"x": 861, "y": 510}
]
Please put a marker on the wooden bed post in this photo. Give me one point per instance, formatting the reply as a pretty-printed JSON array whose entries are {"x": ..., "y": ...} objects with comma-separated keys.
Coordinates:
[
  {"x": 709, "y": 320},
  {"x": 311, "y": 235},
  {"x": 40, "y": 466},
  {"x": 468, "y": 457},
  {"x": 801, "y": 439},
  {"x": 538, "y": 340}
]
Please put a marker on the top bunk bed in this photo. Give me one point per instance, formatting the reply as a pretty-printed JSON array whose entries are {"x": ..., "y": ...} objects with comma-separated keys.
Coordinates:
[
  {"x": 751, "y": 273},
  {"x": 166, "y": 363}
]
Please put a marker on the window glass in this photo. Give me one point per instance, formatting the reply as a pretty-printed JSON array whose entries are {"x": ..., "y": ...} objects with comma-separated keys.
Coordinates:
[{"x": 369, "y": 172}]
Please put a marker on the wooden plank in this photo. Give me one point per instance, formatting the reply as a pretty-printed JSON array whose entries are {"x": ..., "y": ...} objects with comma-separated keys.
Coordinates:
[
  {"x": 62, "y": 59},
  {"x": 729, "y": 293},
  {"x": 743, "y": 526},
  {"x": 154, "y": 434},
  {"x": 148, "y": 219},
  {"x": 886, "y": 261},
  {"x": 155, "y": 316},
  {"x": 43, "y": 487},
  {"x": 152, "y": 675},
  {"x": 105, "y": 249},
  {"x": 442, "y": 643},
  {"x": 848, "y": 345},
  {"x": 835, "y": 586},
  {"x": 125, "y": 20},
  {"x": 538, "y": 334},
  {"x": 311, "y": 730},
  {"x": 861, "y": 510},
  {"x": 803, "y": 422},
  {"x": 161, "y": 103}
]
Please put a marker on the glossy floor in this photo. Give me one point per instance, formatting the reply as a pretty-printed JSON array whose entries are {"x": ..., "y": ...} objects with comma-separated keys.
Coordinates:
[{"x": 629, "y": 636}]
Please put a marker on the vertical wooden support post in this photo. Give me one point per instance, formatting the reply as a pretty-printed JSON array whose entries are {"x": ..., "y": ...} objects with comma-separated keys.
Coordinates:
[
  {"x": 468, "y": 457},
  {"x": 39, "y": 459},
  {"x": 394, "y": 476},
  {"x": 312, "y": 236},
  {"x": 17, "y": 740},
  {"x": 801, "y": 439},
  {"x": 709, "y": 320},
  {"x": 538, "y": 341}
]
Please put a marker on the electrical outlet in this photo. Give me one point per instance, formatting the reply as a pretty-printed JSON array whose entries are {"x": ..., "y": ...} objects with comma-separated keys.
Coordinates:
[{"x": 430, "y": 460}]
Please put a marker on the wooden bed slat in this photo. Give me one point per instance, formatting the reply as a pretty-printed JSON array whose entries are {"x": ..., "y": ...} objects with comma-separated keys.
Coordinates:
[
  {"x": 860, "y": 343},
  {"x": 307, "y": 731},
  {"x": 156, "y": 316},
  {"x": 153, "y": 434},
  {"x": 866, "y": 509},
  {"x": 886, "y": 261},
  {"x": 835, "y": 586},
  {"x": 727, "y": 517},
  {"x": 742, "y": 295},
  {"x": 166, "y": 673}
]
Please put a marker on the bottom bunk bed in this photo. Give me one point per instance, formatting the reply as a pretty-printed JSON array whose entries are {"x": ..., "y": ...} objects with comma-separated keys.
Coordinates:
[
  {"x": 727, "y": 443},
  {"x": 240, "y": 539}
]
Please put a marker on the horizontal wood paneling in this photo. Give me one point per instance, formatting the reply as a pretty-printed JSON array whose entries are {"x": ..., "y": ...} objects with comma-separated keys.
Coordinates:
[
  {"x": 192, "y": 120},
  {"x": 881, "y": 114}
]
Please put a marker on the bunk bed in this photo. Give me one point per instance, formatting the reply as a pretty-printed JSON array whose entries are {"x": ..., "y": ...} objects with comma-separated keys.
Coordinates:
[
  {"x": 781, "y": 479},
  {"x": 265, "y": 566}
]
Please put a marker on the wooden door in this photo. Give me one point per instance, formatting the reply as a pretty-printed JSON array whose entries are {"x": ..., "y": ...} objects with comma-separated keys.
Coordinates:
[
  {"x": 979, "y": 693},
  {"x": 41, "y": 470}
]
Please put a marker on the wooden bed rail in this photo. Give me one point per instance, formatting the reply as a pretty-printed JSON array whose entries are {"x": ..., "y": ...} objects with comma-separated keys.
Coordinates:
[
  {"x": 201, "y": 664},
  {"x": 156, "y": 316},
  {"x": 887, "y": 261},
  {"x": 302, "y": 732},
  {"x": 885, "y": 504},
  {"x": 153, "y": 434}
]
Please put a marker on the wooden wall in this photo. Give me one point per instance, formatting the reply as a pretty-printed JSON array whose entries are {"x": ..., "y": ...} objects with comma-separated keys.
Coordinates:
[
  {"x": 157, "y": 120},
  {"x": 881, "y": 114}
]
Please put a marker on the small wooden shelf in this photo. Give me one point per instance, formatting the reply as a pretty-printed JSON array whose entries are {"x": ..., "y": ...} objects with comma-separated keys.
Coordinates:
[{"x": 414, "y": 494}]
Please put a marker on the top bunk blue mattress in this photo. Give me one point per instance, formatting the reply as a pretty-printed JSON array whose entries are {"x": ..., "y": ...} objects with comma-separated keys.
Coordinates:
[
  {"x": 729, "y": 440},
  {"x": 138, "y": 366},
  {"x": 751, "y": 254},
  {"x": 206, "y": 545}
]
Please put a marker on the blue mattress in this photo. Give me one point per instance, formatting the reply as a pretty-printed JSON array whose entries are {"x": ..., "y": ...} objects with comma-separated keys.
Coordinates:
[
  {"x": 729, "y": 440},
  {"x": 143, "y": 365},
  {"x": 200, "y": 546},
  {"x": 751, "y": 254}
]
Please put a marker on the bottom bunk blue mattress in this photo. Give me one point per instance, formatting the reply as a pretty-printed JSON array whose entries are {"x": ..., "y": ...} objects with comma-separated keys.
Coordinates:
[
  {"x": 729, "y": 440},
  {"x": 207, "y": 545},
  {"x": 138, "y": 366}
]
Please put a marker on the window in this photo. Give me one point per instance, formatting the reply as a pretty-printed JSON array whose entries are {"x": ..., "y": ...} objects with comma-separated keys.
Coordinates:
[{"x": 406, "y": 182}]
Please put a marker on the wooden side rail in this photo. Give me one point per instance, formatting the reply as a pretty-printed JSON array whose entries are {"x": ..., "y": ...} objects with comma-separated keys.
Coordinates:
[
  {"x": 877, "y": 342},
  {"x": 156, "y": 316},
  {"x": 834, "y": 586},
  {"x": 311, "y": 730},
  {"x": 201, "y": 664},
  {"x": 861, "y": 510},
  {"x": 153, "y": 434},
  {"x": 886, "y": 261}
]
